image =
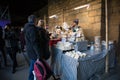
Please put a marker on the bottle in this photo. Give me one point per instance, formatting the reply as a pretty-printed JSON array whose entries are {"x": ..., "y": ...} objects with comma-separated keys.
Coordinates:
[
  {"x": 76, "y": 47},
  {"x": 92, "y": 46}
]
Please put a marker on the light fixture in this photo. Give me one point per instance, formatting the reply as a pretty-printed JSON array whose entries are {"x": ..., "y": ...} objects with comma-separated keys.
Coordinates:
[
  {"x": 53, "y": 16},
  {"x": 83, "y": 6}
]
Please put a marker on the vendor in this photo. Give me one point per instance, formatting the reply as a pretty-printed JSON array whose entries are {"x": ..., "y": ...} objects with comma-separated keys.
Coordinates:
[
  {"x": 77, "y": 31},
  {"x": 75, "y": 25}
]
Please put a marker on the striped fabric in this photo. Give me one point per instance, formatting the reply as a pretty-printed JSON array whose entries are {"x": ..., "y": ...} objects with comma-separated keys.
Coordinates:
[{"x": 83, "y": 68}]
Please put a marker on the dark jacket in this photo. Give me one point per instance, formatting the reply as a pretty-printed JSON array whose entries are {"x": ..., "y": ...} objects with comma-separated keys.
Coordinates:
[
  {"x": 7, "y": 38},
  {"x": 44, "y": 35},
  {"x": 14, "y": 39},
  {"x": 11, "y": 39},
  {"x": 44, "y": 41},
  {"x": 32, "y": 41}
]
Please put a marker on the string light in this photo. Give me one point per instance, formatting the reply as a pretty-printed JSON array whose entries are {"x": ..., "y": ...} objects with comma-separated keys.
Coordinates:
[
  {"x": 53, "y": 16},
  {"x": 83, "y": 6}
]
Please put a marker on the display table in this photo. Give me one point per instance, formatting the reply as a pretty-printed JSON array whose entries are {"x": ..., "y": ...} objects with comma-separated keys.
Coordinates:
[
  {"x": 82, "y": 45},
  {"x": 83, "y": 68},
  {"x": 94, "y": 64}
]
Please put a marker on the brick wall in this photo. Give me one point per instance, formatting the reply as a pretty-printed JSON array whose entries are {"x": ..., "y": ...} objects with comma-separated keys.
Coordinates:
[
  {"x": 89, "y": 19},
  {"x": 92, "y": 20}
]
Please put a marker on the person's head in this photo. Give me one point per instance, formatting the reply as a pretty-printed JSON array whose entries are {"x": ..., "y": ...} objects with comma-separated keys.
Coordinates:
[
  {"x": 32, "y": 19},
  {"x": 75, "y": 22},
  {"x": 13, "y": 28},
  {"x": 58, "y": 29},
  {"x": 40, "y": 23},
  {"x": 21, "y": 29}
]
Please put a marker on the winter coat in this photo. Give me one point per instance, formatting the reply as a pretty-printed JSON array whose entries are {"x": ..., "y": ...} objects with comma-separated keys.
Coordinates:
[
  {"x": 44, "y": 41},
  {"x": 32, "y": 41}
]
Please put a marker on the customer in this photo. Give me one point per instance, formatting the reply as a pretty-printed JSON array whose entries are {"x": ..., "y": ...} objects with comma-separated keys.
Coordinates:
[
  {"x": 14, "y": 47},
  {"x": 11, "y": 40},
  {"x": 2, "y": 46},
  {"x": 44, "y": 39},
  {"x": 22, "y": 40},
  {"x": 32, "y": 43}
]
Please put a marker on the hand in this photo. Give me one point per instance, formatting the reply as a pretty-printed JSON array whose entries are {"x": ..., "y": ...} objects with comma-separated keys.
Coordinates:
[{"x": 37, "y": 59}]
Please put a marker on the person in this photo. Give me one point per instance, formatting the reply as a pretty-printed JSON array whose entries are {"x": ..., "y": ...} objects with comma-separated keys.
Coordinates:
[
  {"x": 77, "y": 31},
  {"x": 22, "y": 40},
  {"x": 11, "y": 41},
  {"x": 32, "y": 43},
  {"x": 14, "y": 47},
  {"x": 75, "y": 25},
  {"x": 2, "y": 46},
  {"x": 44, "y": 39}
]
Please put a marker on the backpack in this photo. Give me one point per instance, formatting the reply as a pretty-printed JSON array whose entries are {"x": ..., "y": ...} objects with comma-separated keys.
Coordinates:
[{"x": 42, "y": 70}]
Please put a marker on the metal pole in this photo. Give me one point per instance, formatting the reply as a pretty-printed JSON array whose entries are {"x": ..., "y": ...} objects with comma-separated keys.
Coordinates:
[
  {"x": 9, "y": 17},
  {"x": 63, "y": 15},
  {"x": 107, "y": 56},
  {"x": 4, "y": 12}
]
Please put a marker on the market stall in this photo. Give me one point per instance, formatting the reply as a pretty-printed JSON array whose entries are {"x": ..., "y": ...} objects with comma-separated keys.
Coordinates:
[
  {"x": 72, "y": 59},
  {"x": 76, "y": 61},
  {"x": 83, "y": 68}
]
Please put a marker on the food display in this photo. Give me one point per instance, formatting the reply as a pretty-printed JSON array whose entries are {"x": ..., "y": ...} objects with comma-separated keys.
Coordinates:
[
  {"x": 76, "y": 54},
  {"x": 64, "y": 45},
  {"x": 72, "y": 34},
  {"x": 70, "y": 37}
]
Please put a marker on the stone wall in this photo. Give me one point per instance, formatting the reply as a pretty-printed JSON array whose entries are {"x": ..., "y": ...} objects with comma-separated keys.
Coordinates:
[
  {"x": 92, "y": 20},
  {"x": 89, "y": 19}
]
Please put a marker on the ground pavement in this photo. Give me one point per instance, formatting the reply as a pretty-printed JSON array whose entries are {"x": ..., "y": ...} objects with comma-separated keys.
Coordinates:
[{"x": 23, "y": 68}]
